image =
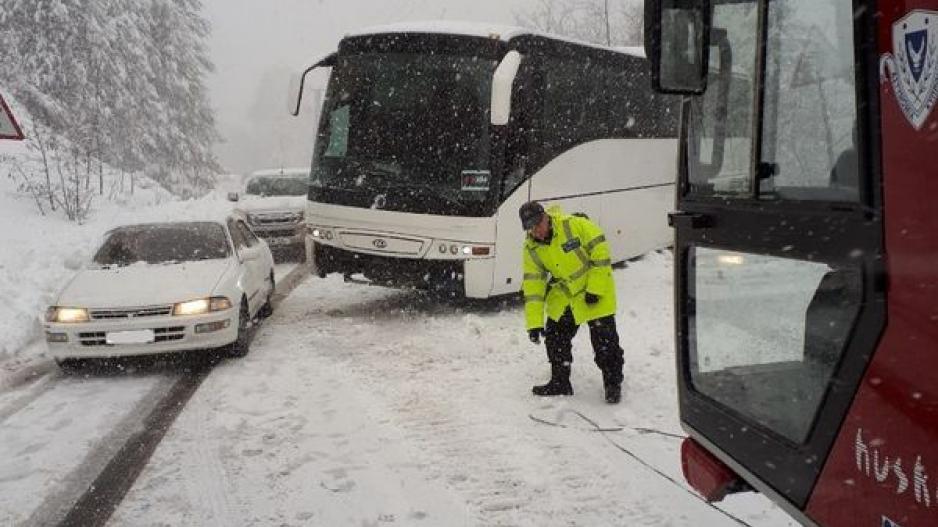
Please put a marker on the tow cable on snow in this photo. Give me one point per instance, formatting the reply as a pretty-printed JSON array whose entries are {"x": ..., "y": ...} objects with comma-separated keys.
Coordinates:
[{"x": 595, "y": 427}]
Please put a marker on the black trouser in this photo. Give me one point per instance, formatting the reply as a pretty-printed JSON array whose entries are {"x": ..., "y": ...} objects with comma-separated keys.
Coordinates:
[{"x": 603, "y": 335}]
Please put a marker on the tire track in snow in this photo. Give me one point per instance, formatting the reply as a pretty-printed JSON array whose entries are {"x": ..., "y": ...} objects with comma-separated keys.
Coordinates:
[
  {"x": 43, "y": 385},
  {"x": 104, "y": 494},
  {"x": 75, "y": 485}
]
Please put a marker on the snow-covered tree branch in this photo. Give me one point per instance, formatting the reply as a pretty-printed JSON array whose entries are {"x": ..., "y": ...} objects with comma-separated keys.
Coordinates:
[
  {"x": 123, "y": 82},
  {"x": 610, "y": 22}
]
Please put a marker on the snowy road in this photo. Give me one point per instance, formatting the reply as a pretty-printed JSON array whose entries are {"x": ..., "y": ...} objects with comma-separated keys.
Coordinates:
[
  {"x": 57, "y": 434},
  {"x": 367, "y": 406},
  {"x": 364, "y": 406}
]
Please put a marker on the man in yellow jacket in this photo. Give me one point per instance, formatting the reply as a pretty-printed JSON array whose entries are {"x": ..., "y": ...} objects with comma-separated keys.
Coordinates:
[{"x": 568, "y": 274}]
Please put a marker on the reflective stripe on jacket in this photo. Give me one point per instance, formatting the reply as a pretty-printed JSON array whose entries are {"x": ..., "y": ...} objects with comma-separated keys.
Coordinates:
[{"x": 560, "y": 273}]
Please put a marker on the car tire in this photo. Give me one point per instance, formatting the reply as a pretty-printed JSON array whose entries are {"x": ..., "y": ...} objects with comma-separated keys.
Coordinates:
[
  {"x": 241, "y": 346},
  {"x": 268, "y": 308},
  {"x": 70, "y": 366}
]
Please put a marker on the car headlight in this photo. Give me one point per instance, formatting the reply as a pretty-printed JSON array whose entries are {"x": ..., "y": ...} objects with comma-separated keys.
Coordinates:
[
  {"x": 252, "y": 219},
  {"x": 67, "y": 315},
  {"x": 201, "y": 306}
]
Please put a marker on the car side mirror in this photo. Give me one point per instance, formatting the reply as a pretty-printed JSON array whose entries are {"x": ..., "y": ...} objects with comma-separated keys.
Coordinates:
[
  {"x": 233, "y": 196},
  {"x": 677, "y": 42},
  {"x": 248, "y": 255}
]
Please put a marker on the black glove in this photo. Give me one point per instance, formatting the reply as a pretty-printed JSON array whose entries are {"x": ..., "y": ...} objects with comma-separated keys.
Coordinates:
[
  {"x": 591, "y": 298},
  {"x": 535, "y": 335}
]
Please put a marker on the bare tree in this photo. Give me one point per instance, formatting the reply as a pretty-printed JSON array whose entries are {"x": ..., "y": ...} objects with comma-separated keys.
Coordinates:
[{"x": 51, "y": 175}]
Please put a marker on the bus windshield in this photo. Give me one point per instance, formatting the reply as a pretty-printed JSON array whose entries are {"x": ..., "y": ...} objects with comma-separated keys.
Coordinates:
[{"x": 412, "y": 124}]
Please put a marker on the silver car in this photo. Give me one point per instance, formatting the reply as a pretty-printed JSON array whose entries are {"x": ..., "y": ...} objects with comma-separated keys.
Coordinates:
[{"x": 273, "y": 204}]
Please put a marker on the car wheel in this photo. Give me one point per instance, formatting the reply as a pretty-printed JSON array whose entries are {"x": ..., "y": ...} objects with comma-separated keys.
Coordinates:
[
  {"x": 70, "y": 366},
  {"x": 268, "y": 308},
  {"x": 241, "y": 346}
]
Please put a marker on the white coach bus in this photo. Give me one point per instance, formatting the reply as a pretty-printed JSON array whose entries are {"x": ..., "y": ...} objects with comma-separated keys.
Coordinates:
[{"x": 432, "y": 136}]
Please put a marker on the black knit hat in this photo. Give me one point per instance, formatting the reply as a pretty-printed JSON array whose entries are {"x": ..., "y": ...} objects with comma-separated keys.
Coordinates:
[{"x": 531, "y": 214}]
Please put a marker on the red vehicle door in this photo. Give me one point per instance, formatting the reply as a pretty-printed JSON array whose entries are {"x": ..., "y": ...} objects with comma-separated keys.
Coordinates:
[{"x": 807, "y": 251}]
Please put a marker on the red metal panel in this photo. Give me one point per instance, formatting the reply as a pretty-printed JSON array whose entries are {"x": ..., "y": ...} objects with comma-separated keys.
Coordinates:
[{"x": 884, "y": 464}]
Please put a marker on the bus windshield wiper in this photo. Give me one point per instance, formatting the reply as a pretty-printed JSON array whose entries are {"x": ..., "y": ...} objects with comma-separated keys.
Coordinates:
[{"x": 384, "y": 170}]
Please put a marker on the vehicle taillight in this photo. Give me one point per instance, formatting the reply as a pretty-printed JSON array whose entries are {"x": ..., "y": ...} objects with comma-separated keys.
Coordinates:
[{"x": 708, "y": 475}]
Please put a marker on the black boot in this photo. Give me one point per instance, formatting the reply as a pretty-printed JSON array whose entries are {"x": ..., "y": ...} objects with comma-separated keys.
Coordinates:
[
  {"x": 559, "y": 382},
  {"x": 612, "y": 382}
]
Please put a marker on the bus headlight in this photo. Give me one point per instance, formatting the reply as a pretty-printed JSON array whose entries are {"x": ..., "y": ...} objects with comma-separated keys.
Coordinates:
[{"x": 320, "y": 233}]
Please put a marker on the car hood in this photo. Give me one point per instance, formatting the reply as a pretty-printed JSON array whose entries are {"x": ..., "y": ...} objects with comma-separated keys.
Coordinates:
[
  {"x": 273, "y": 204},
  {"x": 141, "y": 285}
]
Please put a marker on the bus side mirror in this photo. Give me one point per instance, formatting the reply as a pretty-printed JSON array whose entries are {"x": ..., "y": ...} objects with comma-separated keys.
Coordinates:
[
  {"x": 677, "y": 42},
  {"x": 502, "y": 82},
  {"x": 295, "y": 96}
]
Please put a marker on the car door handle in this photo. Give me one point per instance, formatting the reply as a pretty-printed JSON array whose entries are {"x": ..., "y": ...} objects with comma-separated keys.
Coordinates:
[{"x": 690, "y": 220}]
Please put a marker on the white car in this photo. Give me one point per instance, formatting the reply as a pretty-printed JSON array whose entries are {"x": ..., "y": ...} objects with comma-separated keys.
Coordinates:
[{"x": 164, "y": 287}]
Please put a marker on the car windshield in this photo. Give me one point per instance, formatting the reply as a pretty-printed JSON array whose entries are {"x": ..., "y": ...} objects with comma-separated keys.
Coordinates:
[
  {"x": 276, "y": 186},
  {"x": 154, "y": 244}
]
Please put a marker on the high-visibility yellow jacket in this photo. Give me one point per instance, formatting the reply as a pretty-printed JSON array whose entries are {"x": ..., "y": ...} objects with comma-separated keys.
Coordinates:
[{"x": 558, "y": 274}]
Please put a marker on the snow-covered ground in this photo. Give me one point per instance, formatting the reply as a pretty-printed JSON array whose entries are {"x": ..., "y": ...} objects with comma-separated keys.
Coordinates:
[{"x": 366, "y": 406}]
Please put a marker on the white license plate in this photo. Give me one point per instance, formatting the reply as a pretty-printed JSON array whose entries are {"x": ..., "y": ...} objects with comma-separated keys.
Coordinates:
[{"x": 142, "y": 336}]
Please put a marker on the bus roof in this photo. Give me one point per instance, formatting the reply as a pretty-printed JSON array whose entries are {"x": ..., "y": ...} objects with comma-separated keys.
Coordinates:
[
  {"x": 469, "y": 29},
  {"x": 481, "y": 30}
]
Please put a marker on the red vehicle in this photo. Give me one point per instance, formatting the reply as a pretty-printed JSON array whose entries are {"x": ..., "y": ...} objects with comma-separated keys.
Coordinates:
[{"x": 806, "y": 248}]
